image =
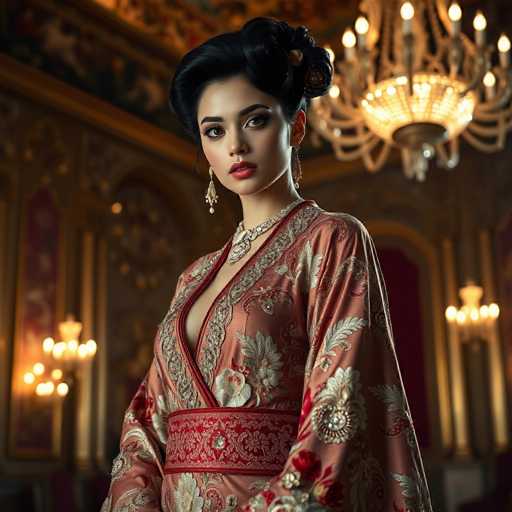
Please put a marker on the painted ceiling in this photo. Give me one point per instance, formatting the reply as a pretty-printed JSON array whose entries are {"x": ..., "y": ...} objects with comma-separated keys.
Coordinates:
[{"x": 124, "y": 51}]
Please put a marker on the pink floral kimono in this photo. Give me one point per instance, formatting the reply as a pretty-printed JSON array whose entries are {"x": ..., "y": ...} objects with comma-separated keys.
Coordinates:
[{"x": 293, "y": 400}]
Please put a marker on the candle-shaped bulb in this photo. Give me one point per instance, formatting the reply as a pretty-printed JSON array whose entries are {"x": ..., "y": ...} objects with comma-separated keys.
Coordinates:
[
  {"x": 455, "y": 12},
  {"x": 48, "y": 344},
  {"x": 38, "y": 368},
  {"x": 479, "y": 24},
  {"x": 407, "y": 11},
  {"x": 503, "y": 44},
  {"x": 29, "y": 378},
  {"x": 362, "y": 25},
  {"x": 348, "y": 39},
  {"x": 489, "y": 79}
]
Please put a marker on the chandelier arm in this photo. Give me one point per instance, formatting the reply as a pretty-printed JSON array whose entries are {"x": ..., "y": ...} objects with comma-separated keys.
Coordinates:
[
  {"x": 484, "y": 147},
  {"x": 486, "y": 114},
  {"x": 346, "y": 124},
  {"x": 372, "y": 164},
  {"x": 498, "y": 131},
  {"x": 353, "y": 140},
  {"x": 346, "y": 156},
  {"x": 448, "y": 162}
]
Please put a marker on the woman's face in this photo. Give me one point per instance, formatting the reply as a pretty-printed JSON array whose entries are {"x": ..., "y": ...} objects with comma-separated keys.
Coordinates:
[{"x": 247, "y": 124}]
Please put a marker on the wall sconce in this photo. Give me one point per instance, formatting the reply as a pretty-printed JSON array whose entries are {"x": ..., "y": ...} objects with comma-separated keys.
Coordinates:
[{"x": 68, "y": 353}]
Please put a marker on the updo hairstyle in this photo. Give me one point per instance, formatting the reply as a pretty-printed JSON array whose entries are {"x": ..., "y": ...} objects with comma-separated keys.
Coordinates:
[{"x": 262, "y": 50}]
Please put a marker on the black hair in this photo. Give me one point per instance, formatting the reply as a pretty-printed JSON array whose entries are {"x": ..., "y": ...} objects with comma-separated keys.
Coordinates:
[{"x": 260, "y": 50}]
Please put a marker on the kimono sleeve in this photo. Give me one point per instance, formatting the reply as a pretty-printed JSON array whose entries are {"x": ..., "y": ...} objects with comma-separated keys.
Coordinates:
[
  {"x": 137, "y": 471},
  {"x": 356, "y": 448}
]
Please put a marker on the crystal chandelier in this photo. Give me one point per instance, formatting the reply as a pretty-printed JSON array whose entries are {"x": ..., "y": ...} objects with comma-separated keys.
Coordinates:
[{"x": 411, "y": 79}]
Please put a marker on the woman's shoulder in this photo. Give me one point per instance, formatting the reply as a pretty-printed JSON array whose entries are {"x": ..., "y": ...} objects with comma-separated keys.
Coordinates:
[{"x": 329, "y": 223}]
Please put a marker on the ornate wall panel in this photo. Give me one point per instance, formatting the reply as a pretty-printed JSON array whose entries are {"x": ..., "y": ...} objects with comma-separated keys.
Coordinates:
[{"x": 34, "y": 431}]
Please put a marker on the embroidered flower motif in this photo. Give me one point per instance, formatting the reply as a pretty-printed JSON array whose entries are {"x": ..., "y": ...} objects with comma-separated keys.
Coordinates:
[
  {"x": 119, "y": 466},
  {"x": 231, "y": 390},
  {"x": 290, "y": 479},
  {"x": 307, "y": 464},
  {"x": 187, "y": 496},
  {"x": 263, "y": 362},
  {"x": 142, "y": 405},
  {"x": 341, "y": 410}
]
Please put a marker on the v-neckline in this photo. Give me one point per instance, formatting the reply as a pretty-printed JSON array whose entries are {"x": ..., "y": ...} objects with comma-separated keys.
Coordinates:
[{"x": 192, "y": 358}]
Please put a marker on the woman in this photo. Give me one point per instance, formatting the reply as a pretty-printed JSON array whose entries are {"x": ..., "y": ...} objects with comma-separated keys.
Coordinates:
[{"x": 274, "y": 384}]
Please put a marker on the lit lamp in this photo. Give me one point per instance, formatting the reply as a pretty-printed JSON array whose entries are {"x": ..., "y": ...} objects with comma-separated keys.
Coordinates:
[
  {"x": 69, "y": 352},
  {"x": 472, "y": 319}
]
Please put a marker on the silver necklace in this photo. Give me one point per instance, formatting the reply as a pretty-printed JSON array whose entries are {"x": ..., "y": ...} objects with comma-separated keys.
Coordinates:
[{"x": 243, "y": 237}]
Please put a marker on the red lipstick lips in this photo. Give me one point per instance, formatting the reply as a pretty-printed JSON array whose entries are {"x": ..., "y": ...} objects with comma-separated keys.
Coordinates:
[
  {"x": 242, "y": 170},
  {"x": 242, "y": 165}
]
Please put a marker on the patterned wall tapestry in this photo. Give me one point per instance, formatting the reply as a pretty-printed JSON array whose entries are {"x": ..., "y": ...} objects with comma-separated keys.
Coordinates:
[{"x": 32, "y": 431}]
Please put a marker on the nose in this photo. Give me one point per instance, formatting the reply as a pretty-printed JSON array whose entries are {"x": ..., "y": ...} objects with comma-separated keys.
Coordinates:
[{"x": 238, "y": 144}]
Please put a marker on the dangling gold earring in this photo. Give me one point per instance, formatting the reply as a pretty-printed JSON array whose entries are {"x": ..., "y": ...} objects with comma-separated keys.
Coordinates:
[
  {"x": 211, "y": 194},
  {"x": 297, "y": 166}
]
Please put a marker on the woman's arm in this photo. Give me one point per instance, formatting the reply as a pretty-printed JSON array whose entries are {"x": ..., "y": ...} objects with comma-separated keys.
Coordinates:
[
  {"x": 356, "y": 448},
  {"x": 137, "y": 471}
]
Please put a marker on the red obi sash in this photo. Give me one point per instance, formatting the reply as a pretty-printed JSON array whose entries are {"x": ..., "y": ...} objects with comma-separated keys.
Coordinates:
[{"x": 235, "y": 440}]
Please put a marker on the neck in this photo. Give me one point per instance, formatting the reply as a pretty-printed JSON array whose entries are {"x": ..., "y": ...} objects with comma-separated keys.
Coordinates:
[{"x": 259, "y": 207}]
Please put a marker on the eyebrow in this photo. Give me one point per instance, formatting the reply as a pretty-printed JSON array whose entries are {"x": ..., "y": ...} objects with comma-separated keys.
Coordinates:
[{"x": 244, "y": 111}]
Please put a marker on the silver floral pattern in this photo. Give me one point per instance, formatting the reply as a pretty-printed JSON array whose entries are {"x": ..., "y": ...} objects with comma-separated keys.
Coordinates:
[
  {"x": 231, "y": 390},
  {"x": 340, "y": 411},
  {"x": 263, "y": 361},
  {"x": 187, "y": 495}
]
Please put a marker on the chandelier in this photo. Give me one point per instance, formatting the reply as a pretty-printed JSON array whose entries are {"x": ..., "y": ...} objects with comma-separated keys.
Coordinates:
[
  {"x": 410, "y": 78},
  {"x": 67, "y": 355},
  {"x": 472, "y": 319}
]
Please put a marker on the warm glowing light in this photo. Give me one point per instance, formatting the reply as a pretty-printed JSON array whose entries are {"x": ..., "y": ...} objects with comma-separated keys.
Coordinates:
[
  {"x": 494, "y": 310},
  {"x": 48, "y": 344},
  {"x": 334, "y": 91},
  {"x": 484, "y": 311},
  {"x": 451, "y": 313},
  {"x": 56, "y": 374},
  {"x": 38, "y": 368},
  {"x": 83, "y": 351},
  {"x": 362, "y": 25},
  {"x": 29, "y": 378},
  {"x": 72, "y": 346},
  {"x": 489, "y": 79},
  {"x": 91, "y": 347},
  {"x": 479, "y": 22},
  {"x": 41, "y": 389},
  {"x": 59, "y": 349},
  {"x": 348, "y": 39},
  {"x": 503, "y": 44},
  {"x": 461, "y": 317},
  {"x": 45, "y": 388},
  {"x": 62, "y": 389},
  {"x": 407, "y": 11},
  {"x": 474, "y": 314},
  {"x": 455, "y": 12},
  {"x": 390, "y": 106},
  {"x": 117, "y": 208}
]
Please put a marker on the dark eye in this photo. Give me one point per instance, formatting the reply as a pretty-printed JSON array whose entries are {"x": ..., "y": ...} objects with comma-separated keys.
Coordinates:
[
  {"x": 207, "y": 132},
  {"x": 262, "y": 119}
]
